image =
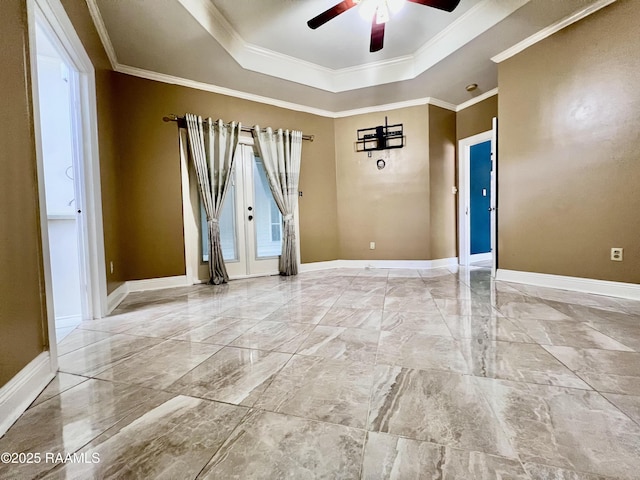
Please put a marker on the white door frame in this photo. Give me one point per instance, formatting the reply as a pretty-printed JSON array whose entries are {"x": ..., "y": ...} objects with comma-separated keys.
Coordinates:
[
  {"x": 464, "y": 225},
  {"x": 494, "y": 197},
  {"x": 51, "y": 15},
  {"x": 195, "y": 268}
]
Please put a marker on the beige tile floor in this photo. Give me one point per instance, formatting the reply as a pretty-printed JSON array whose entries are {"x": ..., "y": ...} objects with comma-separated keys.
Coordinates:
[{"x": 340, "y": 374}]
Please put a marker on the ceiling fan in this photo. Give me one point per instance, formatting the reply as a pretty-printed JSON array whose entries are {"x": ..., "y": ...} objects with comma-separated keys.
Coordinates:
[{"x": 380, "y": 12}]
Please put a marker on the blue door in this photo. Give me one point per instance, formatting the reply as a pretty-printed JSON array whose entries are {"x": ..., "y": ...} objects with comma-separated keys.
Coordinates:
[{"x": 480, "y": 197}]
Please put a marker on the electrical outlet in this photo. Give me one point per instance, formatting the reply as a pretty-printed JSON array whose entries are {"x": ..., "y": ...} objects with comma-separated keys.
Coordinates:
[
  {"x": 111, "y": 265},
  {"x": 616, "y": 254},
  {"x": 372, "y": 245}
]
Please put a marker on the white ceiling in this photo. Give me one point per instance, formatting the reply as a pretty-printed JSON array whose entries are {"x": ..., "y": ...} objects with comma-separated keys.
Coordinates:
[
  {"x": 264, "y": 48},
  {"x": 280, "y": 26}
]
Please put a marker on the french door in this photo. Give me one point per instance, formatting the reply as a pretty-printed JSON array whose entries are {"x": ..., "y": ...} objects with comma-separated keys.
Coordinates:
[{"x": 250, "y": 223}]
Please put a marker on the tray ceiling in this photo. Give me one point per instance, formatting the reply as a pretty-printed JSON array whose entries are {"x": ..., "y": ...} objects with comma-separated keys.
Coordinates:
[{"x": 265, "y": 49}]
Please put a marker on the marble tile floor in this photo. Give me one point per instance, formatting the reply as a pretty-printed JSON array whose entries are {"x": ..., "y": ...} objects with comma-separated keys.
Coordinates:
[{"x": 345, "y": 374}]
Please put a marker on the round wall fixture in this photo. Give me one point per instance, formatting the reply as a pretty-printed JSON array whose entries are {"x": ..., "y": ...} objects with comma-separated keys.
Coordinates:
[
  {"x": 381, "y": 164},
  {"x": 471, "y": 87}
]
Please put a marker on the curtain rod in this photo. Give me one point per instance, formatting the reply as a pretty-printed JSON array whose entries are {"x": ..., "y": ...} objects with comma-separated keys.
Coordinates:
[{"x": 182, "y": 123}]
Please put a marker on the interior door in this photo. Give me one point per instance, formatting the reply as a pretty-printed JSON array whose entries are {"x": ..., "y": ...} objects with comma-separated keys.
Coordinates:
[
  {"x": 480, "y": 199},
  {"x": 250, "y": 223}
]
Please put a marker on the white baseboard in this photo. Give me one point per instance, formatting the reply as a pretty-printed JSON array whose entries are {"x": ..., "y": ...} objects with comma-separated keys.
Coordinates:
[
  {"x": 116, "y": 297},
  {"x": 23, "y": 389},
  {"x": 407, "y": 264},
  {"x": 317, "y": 266},
  {"x": 480, "y": 257},
  {"x": 156, "y": 283},
  {"x": 586, "y": 285},
  {"x": 68, "y": 321}
]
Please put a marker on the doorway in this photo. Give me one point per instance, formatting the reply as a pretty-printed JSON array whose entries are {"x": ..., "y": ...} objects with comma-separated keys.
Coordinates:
[
  {"x": 250, "y": 222},
  {"x": 477, "y": 184},
  {"x": 57, "y": 94},
  {"x": 65, "y": 124}
]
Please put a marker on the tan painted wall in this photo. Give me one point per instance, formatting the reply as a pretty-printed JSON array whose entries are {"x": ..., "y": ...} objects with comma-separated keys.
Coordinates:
[
  {"x": 22, "y": 304},
  {"x": 391, "y": 206},
  {"x": 148, "y": 172},
  {"x": 569, "y": 170},
  {"x": 84, "y": 27},
  {"x": 476, "y": 118},
  {"x": 442, "y": 178}
]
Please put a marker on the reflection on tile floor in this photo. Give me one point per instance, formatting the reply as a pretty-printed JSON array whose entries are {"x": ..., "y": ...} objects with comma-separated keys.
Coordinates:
[{"x": 372, "y": 374}]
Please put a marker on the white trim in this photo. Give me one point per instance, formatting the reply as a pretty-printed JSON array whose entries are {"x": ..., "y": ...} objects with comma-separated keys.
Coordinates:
[
  {"x": 74, "y": 53},
  {"x": 395, "y": 106},
  {"x": 316, "y": 266},
  {"x": 480, "y": 18},
  {"x": 441, "y": 103},
  {"x": 94, "y": 11},
  {"x": 252, "y": 275},
  {"x": 20, "y": 392},
  {"x": 42, "y": 201},
  {"x": 116, "y": 297},
  {"x": 157, "y": 283},
  {"x": 577, "y": 284},
  {"x": 477, "y": 99},
  {"x": 480, "y": 257},
  {"x": 550, "y": 30},
  {"x": 391, "y": 264},
  {"x": 464, "y": 152},
  {"x": 495, "y": 161},
  {"x": 207, "y": 87}
]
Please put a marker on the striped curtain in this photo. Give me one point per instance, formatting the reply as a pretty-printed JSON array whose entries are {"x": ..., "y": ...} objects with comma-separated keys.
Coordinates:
[
  {"x": 212, "y": 147},
  {"x": 281, "y": 152}
]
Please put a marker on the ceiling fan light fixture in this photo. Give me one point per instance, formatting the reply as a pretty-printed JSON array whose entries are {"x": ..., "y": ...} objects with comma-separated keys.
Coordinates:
[
  {"x": 381, "y": 10},
  {"x": 367, "y": 9},
  {"x": 382, "y": 13}
]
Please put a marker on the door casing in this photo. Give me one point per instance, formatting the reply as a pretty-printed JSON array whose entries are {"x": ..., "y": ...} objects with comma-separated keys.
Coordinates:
[
  {"x": 51, "y": 16},
  {"x": 464, "y": 228}
]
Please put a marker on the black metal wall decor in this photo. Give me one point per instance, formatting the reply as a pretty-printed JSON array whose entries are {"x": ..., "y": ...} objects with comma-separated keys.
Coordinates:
[{"x": 382, "y": 137}]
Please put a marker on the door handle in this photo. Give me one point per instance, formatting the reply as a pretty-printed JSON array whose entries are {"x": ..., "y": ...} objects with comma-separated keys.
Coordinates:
[
  {"x": 250, "y": 217},
  {"x": 490, "y": 209}
]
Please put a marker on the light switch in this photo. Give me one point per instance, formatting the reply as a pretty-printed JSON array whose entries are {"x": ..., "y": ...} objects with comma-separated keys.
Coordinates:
[{"x": 484, "y": 192}]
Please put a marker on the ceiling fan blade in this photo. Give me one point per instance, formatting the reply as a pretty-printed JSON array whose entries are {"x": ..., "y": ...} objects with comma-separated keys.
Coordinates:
[
  {"x": 447, "y": 5},
  {"x": 330, "y": 14},
  {"x": 377, "y": 36}
]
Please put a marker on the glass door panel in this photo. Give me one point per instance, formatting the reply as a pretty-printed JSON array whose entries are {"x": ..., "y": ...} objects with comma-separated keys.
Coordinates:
[
  {"x": 228, "y": 231},
  {"x": 250, "y": 223},
  {"x": 268, "y": 220}
]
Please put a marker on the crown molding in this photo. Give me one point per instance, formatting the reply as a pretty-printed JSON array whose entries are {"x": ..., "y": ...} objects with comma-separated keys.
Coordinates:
[
  {"x": 395, "y": 106},
  {"x": 464, "y": 29},
  {"x": 550, "y": 30},
  {"x": 207, "y": 87},
  {"x": 96, "y": 16},
  {"x": 442, "y": 104},
  {"x": 472, "y": 24},
  {"x": 477, "y": 99}
]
